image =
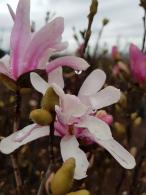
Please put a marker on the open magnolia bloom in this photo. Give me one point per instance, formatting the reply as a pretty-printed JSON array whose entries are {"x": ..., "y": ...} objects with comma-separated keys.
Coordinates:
[
  {"x": 76, "y": 118},
  {"x": 32, "y": 51}
]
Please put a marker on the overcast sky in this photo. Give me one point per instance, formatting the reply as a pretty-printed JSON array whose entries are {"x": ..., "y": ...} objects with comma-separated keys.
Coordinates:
[{"x": 125, "y": 19}]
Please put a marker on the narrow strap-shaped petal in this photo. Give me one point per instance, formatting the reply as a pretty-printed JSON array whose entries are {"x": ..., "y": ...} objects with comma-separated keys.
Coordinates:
[
  {"x": 96, "y": 127},
  {"x": 47, "y": 37},
  {"x": 93, "y": 83},
  {"x": 105, "y": 97},
  {"x": 20, "y": 36},
  {"x": 38, "y": 83},
  {"x": 70, "y": 148},
  {"x": 71, "y": 61},
  {"x": 10, "y": 144},
  {"x": 56, "y": 76},
  {"x": 124, "y": 158},
  {"x": 11, "y": 12}
]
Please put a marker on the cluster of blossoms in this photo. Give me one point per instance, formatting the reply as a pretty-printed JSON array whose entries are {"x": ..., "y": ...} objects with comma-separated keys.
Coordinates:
[{"x": 75, "y": 115}]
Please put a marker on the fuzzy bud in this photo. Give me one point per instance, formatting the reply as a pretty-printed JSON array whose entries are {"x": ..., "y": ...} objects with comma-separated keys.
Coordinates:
[
  {"x": 49, "y": 100},
  {"x": 137, "y": 121},
  {"x": 63, "y": 179},
  {"x": 41, "y": 116},
  {"x": 80, "y": 192},
  {"x": 105, "y": 21},
  {"x": 93, "y": 7},
  {"x": 120, "y": 128}
]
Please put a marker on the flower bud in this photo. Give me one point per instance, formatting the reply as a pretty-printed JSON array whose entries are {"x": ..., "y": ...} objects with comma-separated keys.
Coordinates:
[
  {"x": 80, "y": 192},
  {"x": 137, "y": 121},
  {"x": 93, "y": 7},
  {"x": 105, "y": 21},
  {"x": 49, "y": 100},
  {"x": 63, "y": 179},
  {"x": 120, "y": 128},
  {"x": 41, "y": 116}
]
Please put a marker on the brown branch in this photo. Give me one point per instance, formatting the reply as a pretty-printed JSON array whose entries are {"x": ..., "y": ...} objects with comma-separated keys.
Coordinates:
[{"x": 13, "y": 156}]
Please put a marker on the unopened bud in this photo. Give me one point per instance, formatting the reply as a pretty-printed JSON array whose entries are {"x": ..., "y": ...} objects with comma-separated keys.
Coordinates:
[
  {"x": 41, "y": 116},
  {"x": 120, "y": 128},
  {"x": 137, "y": 121},
  {"x": 63, "y": 179},
  {"x": 49, "y": 100},
  {"x": 105, "y": 21},
  {"x": 80, "y": 192},
  {"x": 93, "y": 7}
]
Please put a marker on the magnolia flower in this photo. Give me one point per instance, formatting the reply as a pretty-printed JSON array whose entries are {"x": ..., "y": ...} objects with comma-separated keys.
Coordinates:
[
  {"x": 137, "y": 64},
  {"x": 76, "y": 118},
  {"x": 32, "y": 51}
]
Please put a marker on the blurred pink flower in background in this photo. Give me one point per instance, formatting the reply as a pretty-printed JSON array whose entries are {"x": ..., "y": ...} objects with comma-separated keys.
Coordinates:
[{"x": 137, "y": 64}]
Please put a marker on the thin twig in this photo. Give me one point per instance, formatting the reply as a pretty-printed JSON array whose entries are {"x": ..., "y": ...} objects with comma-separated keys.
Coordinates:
[
  {"x": 51, "y": 165},
  {"x": 13, "y": 156},
  {"x": 93, "y": 10}
]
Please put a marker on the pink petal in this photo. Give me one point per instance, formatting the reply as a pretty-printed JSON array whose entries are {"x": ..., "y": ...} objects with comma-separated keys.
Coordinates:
[
  {"x": 38, "y": 83},
  {"x": 48, "y": 37},
  {"x": 105, "y": 97},
  {"x": 124, "y": 158},
  {"x": 93, "y": 83},
  {"x": 56, "y": 76},
  {"x": 71, "y": 109},
  {"x": 98, "y": 129},
  {"x": 71, "y": 61},
  {"x": 8, "y": 144},
  {"x": 20, "y": 36},
  {"x": 70, "y": 148},
  {"x": 11, "y": 12}
]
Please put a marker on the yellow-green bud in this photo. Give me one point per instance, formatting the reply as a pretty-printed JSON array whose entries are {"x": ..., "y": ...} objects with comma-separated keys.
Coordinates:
[
  {"x": 120, "y": 128},
  {"x": 49, "y": 100},
  {"x": 41, "y": 116},
  {"x": 9, "y": 83},
  {"x": 93, "y": 7},
  {"x": 134, "y": 115},
  {"x": 63, "y": 179},
  {"x": 137, "y": 121},
  {"x": 105, "y": 21},
  {"x": 80, "y": 192}
]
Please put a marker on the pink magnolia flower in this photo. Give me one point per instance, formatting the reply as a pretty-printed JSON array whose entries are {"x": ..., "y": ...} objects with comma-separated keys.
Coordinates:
[
  {"x": 32, "y": 51},
  {"x": 137, "y": 64},
  {"x": 76, "y": 118}
]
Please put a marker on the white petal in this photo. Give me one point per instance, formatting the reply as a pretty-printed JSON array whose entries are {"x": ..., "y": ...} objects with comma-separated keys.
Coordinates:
[
  {"x": 124, "y": 158},
  {"x": 38, "y": 83},
  {"x": 97, "y": 128},
  {"x": 56, "y": 76},
  {"x": 93, "y": 83},
  {"x": 105, "y": 97},
  {"x": 8, "y": 144},
  {"x": 70, "y": 148}
]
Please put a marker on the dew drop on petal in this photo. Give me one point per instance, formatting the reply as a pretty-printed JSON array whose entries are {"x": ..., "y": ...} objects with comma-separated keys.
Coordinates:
[{"x": 78, "y": 72}]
